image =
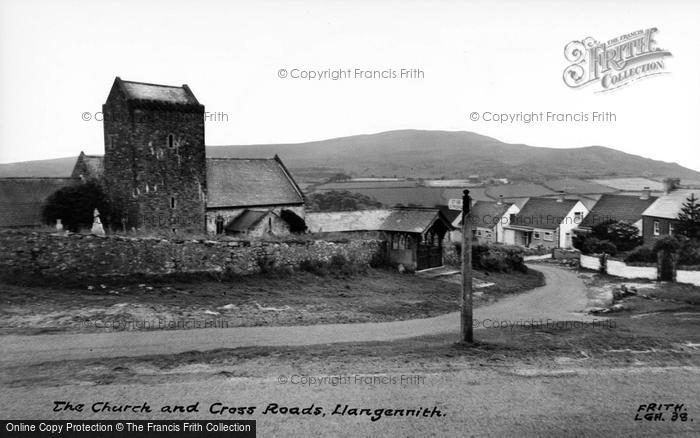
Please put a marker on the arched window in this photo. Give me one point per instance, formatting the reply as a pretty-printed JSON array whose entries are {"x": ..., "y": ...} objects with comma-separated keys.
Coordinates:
[
  {"x": 171, "y": 141},
  {"x": 172, "y": 202}
]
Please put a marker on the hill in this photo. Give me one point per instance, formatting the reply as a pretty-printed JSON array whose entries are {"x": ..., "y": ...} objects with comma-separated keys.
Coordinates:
[{"x": 414, "y": 153}]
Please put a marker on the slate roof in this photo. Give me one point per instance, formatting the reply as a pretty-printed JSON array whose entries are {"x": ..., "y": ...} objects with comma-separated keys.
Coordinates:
[
  {"x": 450, "y": 215},
  {"x": 93, "y": 165},
  {"x": 238, "y": 182},
  {"x": 170, "y": 94},
  {"x": 246, "y": 220},
  {"x": 545, "y": 213},
  {"x": 486, "y": 214},
  {"x": 668, "y": 206},
  {"x": 22, "y": 199},
  {"x": 407, "y": 220},
  {"x": 617, "y": 207}
]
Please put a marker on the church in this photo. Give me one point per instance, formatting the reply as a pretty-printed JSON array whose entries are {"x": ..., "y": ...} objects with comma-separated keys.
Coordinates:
[{"x": 156, "y": 173}]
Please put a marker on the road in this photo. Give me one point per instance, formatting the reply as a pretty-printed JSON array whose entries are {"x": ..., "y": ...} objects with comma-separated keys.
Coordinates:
[
  {"x": 562, "y": 298},
  {"x": 521, "y": 399}
]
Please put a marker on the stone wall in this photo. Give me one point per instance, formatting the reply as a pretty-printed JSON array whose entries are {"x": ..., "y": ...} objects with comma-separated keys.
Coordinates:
[{"x": 77, "y": 255}]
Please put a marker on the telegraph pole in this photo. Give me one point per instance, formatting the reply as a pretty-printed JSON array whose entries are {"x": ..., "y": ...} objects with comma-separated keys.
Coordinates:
[{"x": 465, "y": 302}]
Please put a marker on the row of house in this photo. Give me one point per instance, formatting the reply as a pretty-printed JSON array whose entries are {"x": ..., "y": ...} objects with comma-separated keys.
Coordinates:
[{"x": 551, "y": 222}]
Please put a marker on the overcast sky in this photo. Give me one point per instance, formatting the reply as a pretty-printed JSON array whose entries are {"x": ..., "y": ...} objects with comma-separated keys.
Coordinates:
[{"x": 58, "y": 60}]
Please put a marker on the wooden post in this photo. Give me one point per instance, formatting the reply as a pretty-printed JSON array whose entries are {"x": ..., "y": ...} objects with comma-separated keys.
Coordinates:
[{"x": 466, "y": 316}]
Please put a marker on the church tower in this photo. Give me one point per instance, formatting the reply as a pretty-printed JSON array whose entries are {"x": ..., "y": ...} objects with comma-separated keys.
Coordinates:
[{"x": 155, "y": 161}]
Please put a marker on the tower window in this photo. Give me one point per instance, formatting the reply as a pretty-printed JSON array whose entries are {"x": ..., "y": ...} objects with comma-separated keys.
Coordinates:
[
  {"x": 172, "y": 202},
  {"x": 171, "y": 141}
]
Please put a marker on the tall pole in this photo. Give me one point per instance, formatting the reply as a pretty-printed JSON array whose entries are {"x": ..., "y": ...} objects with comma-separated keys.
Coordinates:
[{"x": 466, "y": 316}]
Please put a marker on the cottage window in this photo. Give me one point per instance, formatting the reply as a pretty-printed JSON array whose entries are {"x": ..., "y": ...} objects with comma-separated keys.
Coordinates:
[
  {"x": 656, "y": 228},
  {"x": 548, "y": 236},
  {"x": 671, "y": 229},
  {"x": 536, "y": 235},
  {"x": 578, "y": 217}
]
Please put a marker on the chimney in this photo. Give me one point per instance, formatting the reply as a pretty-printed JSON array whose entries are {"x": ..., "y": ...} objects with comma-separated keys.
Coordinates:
[
  {"x": 500, "y": 200},
  {"x": 645, "y": 193},
  {"x": 561, "y": 196}
]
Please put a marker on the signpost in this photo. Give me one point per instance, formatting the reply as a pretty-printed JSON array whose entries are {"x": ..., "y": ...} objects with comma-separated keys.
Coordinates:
[
  {"x": 466, "y": 316},
  {"x": 454, "y": 204}
]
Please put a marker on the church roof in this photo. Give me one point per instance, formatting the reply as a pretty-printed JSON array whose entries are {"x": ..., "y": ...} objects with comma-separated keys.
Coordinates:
[
  {"x": 239, "y": 182},
  {"x": 246, "y": 220},
  {"x": 157, "y": 93},
  {"x": 88, "y": 166},
  {"x": 22, "y": 199}
]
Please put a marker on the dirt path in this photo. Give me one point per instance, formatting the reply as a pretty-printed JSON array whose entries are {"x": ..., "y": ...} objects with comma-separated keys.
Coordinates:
[{"x": 562, "y": 298}]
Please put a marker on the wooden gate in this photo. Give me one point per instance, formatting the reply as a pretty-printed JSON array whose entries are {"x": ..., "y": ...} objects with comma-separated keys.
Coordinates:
[{"x": 428, "y": 256}]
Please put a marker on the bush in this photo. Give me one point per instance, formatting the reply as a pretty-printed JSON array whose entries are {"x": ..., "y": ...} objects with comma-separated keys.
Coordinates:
[
  {"x": 498, "y": 258},
  {"x": 316, "y": 267},
  {"x": 593, "y": 245},
  {"x": 667, "y": 244},
  {"x": 641, "y": 254},
  {"x": 75, "y": 205},
  {"x": 689, "y": 252},
  {"x": 494, "y": 261},
  {"x": 623, "y": 235}
]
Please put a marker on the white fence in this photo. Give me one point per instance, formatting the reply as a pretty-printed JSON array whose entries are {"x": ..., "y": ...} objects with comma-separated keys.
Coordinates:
[
  {"x": 589, "y": 262},
  {"x": 692, "y": 277},
  {"x": 622, "y": 269},
  {"x": 619, "y": 268}
]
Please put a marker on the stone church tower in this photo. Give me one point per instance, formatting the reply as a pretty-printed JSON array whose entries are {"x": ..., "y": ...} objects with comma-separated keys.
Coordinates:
[{"x": 155, "y": 162}]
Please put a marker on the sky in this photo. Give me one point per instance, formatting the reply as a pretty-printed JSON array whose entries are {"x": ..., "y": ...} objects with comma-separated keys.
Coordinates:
[{"x": 58, "y": 60}]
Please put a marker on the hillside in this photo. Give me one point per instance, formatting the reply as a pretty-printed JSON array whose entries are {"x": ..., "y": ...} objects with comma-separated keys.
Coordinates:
[
  {"x": 455, "y": 155},
  {"x": 412, "y": 153}
]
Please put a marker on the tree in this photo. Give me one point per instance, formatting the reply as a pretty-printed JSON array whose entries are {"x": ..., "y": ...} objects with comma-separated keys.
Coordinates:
[
  {"x": 623, "y": 235},
  {"x": 689, "y": 218},
  {"x": 341, "y": 200},
  {"x": 75, "y": 205}
]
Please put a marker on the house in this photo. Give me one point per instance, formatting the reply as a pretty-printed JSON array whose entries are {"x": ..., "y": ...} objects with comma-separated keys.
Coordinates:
[
  {"x": 623, "y": 208},
  {"x": 660, "y": 218},
  {"x": 545, "y": 222},
  {"x": 22, "y": 199},
  {"x": 414, "y": 236},
  {"x": 488, "y": 220}
]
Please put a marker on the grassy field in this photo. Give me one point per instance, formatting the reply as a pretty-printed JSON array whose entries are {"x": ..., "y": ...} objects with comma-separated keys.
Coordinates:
[{"x": 298, "y": 299}]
